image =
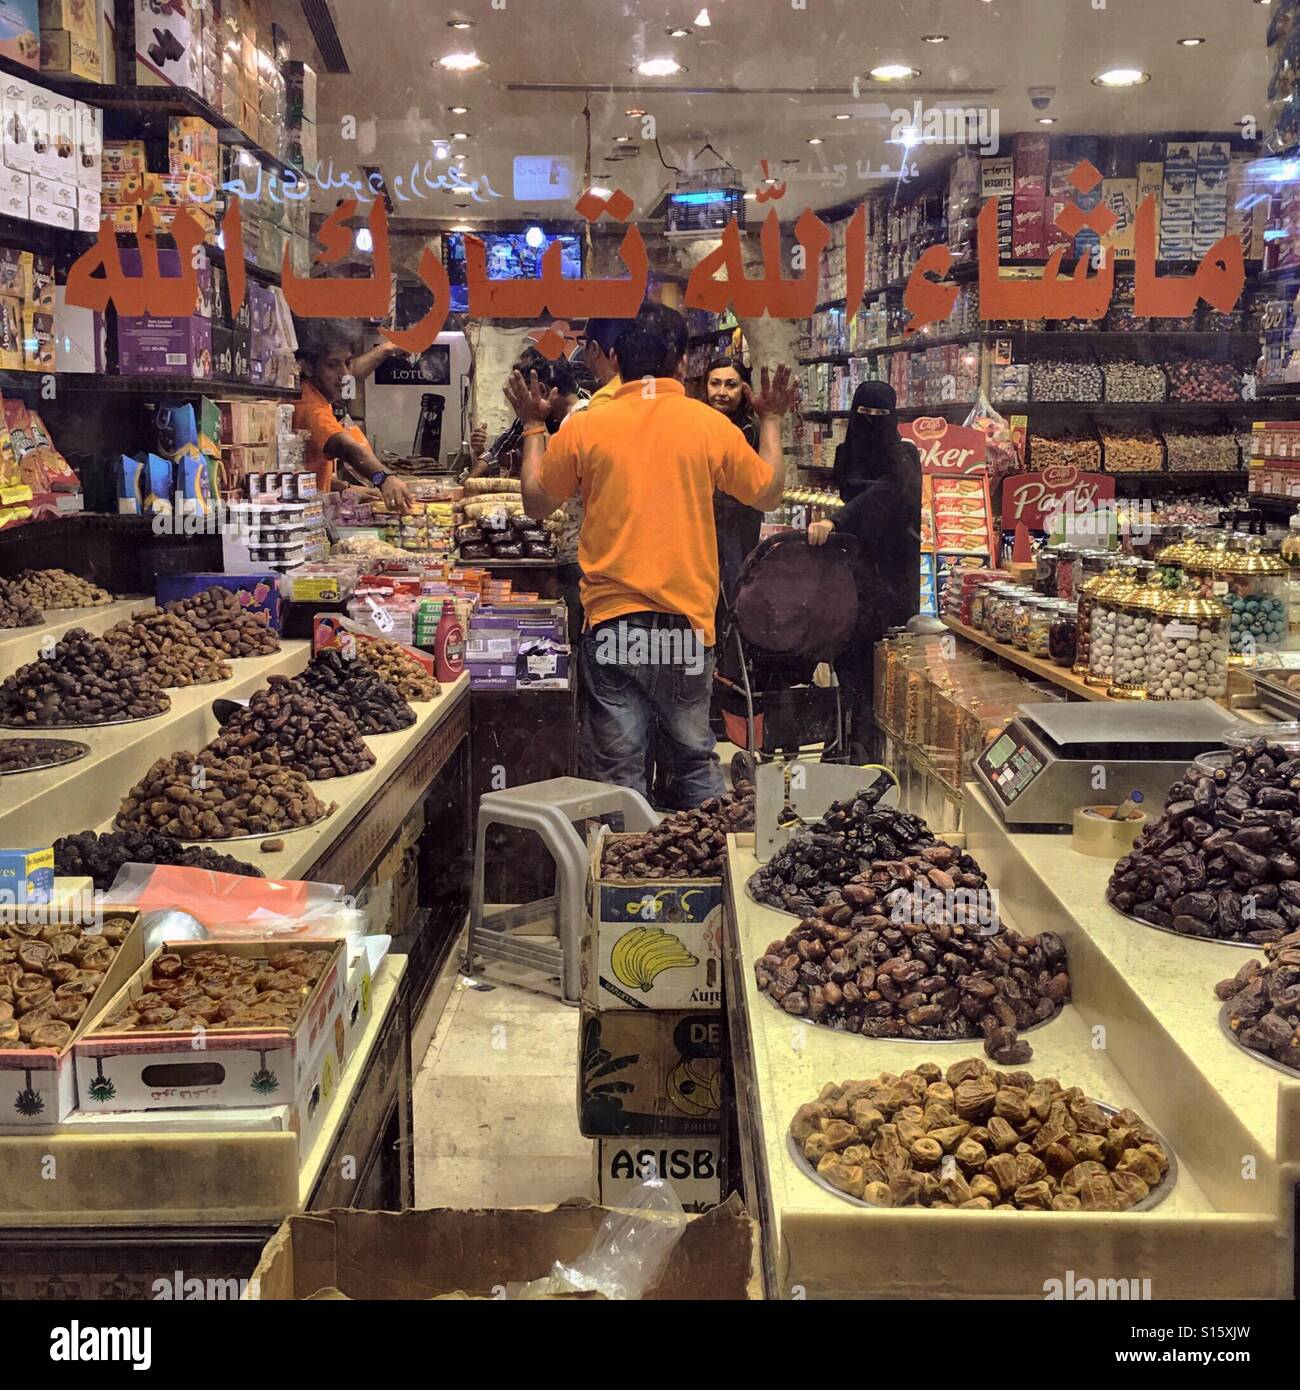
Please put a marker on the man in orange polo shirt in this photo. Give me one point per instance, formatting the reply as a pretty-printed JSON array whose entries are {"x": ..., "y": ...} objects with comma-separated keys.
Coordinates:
[
  {"x": 334, "y": 439},
  {"x": 647, "y": 465}
]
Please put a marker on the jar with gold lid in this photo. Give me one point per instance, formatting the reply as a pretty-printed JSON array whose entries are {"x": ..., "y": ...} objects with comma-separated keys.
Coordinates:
[
  {"x": 1134, "y": 617},
  {"x": 1119, "y": 585},
  {"x": 1189, "y": 640},
  {"x": 1251, "y": 580}
]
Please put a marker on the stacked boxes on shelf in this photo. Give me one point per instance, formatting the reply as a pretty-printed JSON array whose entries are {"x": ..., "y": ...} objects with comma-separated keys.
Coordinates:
[
  {"x": 20, "y": 32},
  {"x": 1178, "y": 201},
  {"x": 191, "y": 181},
  {"x": 650, "y": 1067},
  {"x": 169, "y": 44},
  {"x": 167, "y": 344},
  {"x": 50, "y": 157},
  {"x": 248, "y": 432},
  {"x": 518, "y": 647},
  {"x": 300, "y": 115},
  {"x": 26, "y": 312},
  {"x": 71, "y": 43}
]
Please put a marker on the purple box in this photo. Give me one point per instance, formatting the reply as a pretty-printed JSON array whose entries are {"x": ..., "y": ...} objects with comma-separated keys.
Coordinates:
[
  {"x": 169, "y": 266},
  {"x": 259, "y": 593},
  {"x": 542, "y": 664},
  {"x": 491, "y": 675},
  {"x": 164, "y": 346}
]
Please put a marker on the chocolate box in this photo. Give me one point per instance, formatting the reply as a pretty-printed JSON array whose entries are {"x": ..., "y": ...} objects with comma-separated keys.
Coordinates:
[
  {"x": 165, "y": 345},
  {"x": 20, "y": 31}
]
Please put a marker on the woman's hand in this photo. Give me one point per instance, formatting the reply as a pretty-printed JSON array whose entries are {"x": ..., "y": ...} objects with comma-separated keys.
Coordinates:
[{"x": 820, "y": 532}]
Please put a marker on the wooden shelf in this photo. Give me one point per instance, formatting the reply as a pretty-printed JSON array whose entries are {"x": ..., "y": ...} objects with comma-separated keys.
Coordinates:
[{"x": 1044, "y": 670}]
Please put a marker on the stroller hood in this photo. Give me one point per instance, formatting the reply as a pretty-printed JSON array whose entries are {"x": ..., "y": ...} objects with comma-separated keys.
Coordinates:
[{"x": 799, "y": 599}]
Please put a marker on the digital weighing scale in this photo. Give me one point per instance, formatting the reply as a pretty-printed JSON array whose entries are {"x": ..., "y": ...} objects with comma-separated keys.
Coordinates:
[{"x": 1056, "y": 757}]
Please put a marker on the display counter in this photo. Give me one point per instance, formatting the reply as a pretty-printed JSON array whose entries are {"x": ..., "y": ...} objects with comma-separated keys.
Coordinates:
[
  {"x": 1216, "y": 1234},
  {"x": 19, "y": 645}
]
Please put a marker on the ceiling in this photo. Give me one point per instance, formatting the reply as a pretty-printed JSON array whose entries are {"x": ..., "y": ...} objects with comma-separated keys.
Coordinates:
[{"x": 762, "y": 80}]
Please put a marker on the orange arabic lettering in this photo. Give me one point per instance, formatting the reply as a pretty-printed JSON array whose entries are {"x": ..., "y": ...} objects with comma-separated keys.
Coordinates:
[
  {"x": 332, "y": 297},
  {"x": 1219, "y": 279}
]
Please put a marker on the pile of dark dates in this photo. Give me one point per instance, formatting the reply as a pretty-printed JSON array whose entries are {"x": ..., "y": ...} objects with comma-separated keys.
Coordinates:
[
  {"x": 82, "y": 681},
  {"x": 359, "y": 691},
  {"x": 15, "y": 609},
  {"x": 224, "y": 623},
  {"x": 1264, "y": 1002},
  {"x": 1223, "y": 861},
  {"x": 899, "y": 953},
  {"x": 26, "y": 754},
  {"x": 686, "y": 844},
  {"x": 101, "y": 856},
  {"x": 297, "y": 729}
]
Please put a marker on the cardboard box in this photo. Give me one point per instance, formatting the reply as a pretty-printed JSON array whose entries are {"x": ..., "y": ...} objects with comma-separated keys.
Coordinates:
[
  {"x": 46, "y": 190},
  {"x": 485, "y": 675},
  {"x": 192, "y": 147},
  {"x": 52, "y": 214},
  {"x": 691, "y": 1167},
  {"x": 300, "y": 91},
  {"x": 37, "y": 274},
  {"x": 89, "y": 210},
  {"x": 11, "y": 333},
  {"x": 649, "y": 1072},
  {"x": 651, "y": 943},
  {"x": 38, "y": 1085},
  {"x": 258, "y": 593},
  {"x": 234, "y": 1066},
  {"x": 124, "y": 157},
  {"x": 23, "y": 125},
  {"x": 77, "y": 16},
  {"x": 167, "y": 47},
  {"x": 422, "y": 1254},
  {"x": 26, "y": 876},
  {"x": 71, "y": 55},
  {"x": 78, "y": 336},
  {"x": 13, "y": 182},
  {"x": 165, "y": 345},
  {"x": 38, "y": 340},
  {"x": 229, "y": 353},
  {"x": 20, "y": 31}
]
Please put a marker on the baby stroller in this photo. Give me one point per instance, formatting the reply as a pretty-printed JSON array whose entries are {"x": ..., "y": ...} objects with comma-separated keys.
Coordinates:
[{"x": 795, "y": 607}]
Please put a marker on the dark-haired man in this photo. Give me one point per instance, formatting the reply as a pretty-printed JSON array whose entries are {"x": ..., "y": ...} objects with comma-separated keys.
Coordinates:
[
  {"x": 502, "y": 459},
  {"x": 647, "y": 465}
]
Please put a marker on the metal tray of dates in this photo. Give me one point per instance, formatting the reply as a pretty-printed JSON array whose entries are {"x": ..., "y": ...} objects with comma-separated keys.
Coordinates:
[
  {"x": 258, "y": 835},
  {"x": 1157, "y": 1196},
  {"x": 1185, "y": 936},
  {"x": 1250, "y": 1051},
  {"x": 95, "y": 724},
  {"x": 60, "y": 750}
]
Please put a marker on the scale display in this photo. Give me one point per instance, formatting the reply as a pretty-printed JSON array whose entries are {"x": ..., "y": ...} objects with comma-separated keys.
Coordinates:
[{"x": 1011, "y": 767}]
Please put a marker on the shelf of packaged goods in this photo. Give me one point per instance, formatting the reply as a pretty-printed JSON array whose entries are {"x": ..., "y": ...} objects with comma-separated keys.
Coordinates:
[
  {"x": 712, "y": 335},
  {"x": 1209, "y": 1232},
  {"x": 1044, "y": 670},
  {"x": 145, "y": 385},
  {"x": 19, "y": 645},
  {"x": 140, "y": 107},
  {"x": 1138, "y": 344},
  {"x": 1281, "y": 390},
  {"x": 1169, "y": 410},
  {"x": 57, "y": 242}
]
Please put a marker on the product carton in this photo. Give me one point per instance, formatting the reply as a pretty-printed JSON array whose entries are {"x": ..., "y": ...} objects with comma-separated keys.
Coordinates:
[
  {"x": 649, "y": 1072},
  {"x": 165, "y": 345},
  {"x": 26, "y": 876},
  {"x": 259, "y": 593},
  {"x": 651, "y": 943},
  {"x": 71, "y": 55},
  {"x": 436, "y": 1253},
  {"x": 38, "y": 339},
  {"x": 691, "y": 1167},
  {"x": 20, "y": 31},
  {"x": 167, "y": 46},
  {"x": 37, "y": 279},
  {"x": 77, "y": 16},
  {"x": 24, "y": 124},
  {"x": 124, "y": 157},
  {"x": 161, "y": 1070},
  {"x": 38, "y": 1085},
  {"x": 45, "y": 190},
  {"x": 52, "y": 214},
  {"x": 11, "y": 333},
  {"x": 89, "y": 210},
  {"x": 14, "y": 183}
]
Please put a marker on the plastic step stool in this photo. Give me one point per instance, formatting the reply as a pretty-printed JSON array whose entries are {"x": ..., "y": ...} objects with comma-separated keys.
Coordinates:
[{"x": 550, "y": 809}]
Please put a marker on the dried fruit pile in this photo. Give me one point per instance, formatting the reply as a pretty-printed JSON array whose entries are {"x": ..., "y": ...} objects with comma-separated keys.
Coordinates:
[
  {"x": 687, "y": 844},
  {"x": 211, "y": 988},
  {"x": 897, "y": 953},
  {"x": 55, "y": 588},
  {"x": 1264, "y": 1002},
  {"x": 20, "y": 754},
  {"x": 980, "y": 1140},
  {"x": 1224, "y": 859},
  {"x": 214, "y": 798},
  {"x": 101, "y": 856},
  {"x": 83, "y": 681},
  {"x": 176, "y": 652},
  {"x": 359, "y": 691},
  {"x": 15, "y": 610},
  {"x": 226, "y": 624},
  {"x": 48, "y": 975},
  {"x": 400, "y": 669},
  {"x": 290, "y": 726}
]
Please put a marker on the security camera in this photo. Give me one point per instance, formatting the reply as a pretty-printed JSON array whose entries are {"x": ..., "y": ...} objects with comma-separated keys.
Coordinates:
[{"x": 1041, "y": 97}]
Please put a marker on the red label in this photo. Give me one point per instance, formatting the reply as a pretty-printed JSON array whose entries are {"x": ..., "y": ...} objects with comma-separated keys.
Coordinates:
[
  {"x": 946, "y": 449},
  {"x": 1032, "y": 498}
]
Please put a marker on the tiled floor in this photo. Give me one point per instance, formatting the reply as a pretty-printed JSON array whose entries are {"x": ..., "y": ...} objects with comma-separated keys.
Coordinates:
[{"x": 496, "y": 1103}]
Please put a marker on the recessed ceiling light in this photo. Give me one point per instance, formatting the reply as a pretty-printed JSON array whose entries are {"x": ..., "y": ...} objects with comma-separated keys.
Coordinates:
[
  {"x": 703, "y": 20},
  {"x": 679, "y": 33},
  {"x": 597, "y": 191},
  {"x": 934, "y": 38},
  {"x": 635, "y": 111},
  {"x": 1047, "y": 120},
  {"x": 658, "y": 67},
  {"x": 462, "y": 227},
  {"x": 751, "y": 197},
  {"x": 894, "y": 72},
  {"x": 459, "y": 135},
  {"x": 815, "y": 140},
  {"x": 622, "y": 139},
  {"x": 461, "y": 62},
  {"x": 843, "y": 115},
  {"x": 1190, "y": 43},
  {"x": 459, "y": 110},
  {"x": 1121, "y": 77},
  {"x": 460, "y": 24}
]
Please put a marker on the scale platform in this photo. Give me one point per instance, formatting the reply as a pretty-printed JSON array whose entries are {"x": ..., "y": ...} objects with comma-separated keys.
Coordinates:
[{"x": 1054, "y": 758}]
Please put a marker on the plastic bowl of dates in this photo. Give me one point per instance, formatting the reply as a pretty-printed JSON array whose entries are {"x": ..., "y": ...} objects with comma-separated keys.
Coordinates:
[
  {"x": 891, "y": 956},
  {"x": 974, "y": 1139},
  {"x": 1261, "y": 1010},
  {"x": 1223, "y": 861}
]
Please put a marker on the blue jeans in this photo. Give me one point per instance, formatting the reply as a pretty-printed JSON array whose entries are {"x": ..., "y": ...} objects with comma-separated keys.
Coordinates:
[{"x": 631, "y": 693}]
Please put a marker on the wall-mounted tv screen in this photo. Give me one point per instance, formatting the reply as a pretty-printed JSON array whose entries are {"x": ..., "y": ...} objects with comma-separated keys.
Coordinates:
[{"x": 509, "y": 257}]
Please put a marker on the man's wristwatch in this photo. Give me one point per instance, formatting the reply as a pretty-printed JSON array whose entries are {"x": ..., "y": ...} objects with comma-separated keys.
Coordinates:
[{"x": 379, "y": 479}]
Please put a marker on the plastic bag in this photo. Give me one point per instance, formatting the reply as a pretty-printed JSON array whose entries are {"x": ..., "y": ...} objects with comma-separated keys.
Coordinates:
[
  {"x": 1000, "y": 451},
  {"x": 229, "y": 905},
  {"x": 631, "y": 1248}
]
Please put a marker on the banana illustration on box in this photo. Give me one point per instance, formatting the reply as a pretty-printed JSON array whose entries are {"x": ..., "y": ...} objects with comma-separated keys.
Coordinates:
[{"x": 643, "y": 953}]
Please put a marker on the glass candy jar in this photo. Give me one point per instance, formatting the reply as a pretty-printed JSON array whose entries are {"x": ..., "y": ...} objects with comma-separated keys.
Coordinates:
[
  {"x": 1064, "y": 635},
  {"x": 1103, "y": 617},
  {"x": 1188, "y": 659}
]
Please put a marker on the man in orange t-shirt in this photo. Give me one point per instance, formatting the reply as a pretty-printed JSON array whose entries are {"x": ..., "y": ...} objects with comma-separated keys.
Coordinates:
[
  {"x": 333, "y": 438},
  {"x": 647, "y": 465}
]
